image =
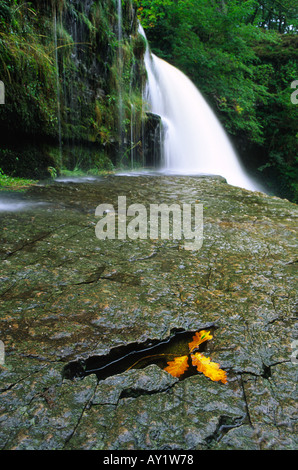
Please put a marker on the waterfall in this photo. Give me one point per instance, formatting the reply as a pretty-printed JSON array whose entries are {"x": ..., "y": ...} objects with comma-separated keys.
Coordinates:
[
  {"x": 194, "y": 141},
  {"x": 132, "y": 134},
  {"x": 57, "y": 83},
  {"x": 120, "y": 72}
]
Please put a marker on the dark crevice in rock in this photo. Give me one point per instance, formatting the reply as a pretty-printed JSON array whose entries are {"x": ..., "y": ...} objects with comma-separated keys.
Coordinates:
[
  {"x": 12, "y": 385},
  {"x": 245, "y": 401},
  {"x": 292, "y": 262},
  {"x": 28, "y": 243},
  {"x": 266, "y": 372},
  {"x": 225, "y": 424},
  {"x": 139, "y": 392},
  {"x": 93, "y": 277},
  {"x": 86, "y": 406},
  {"x": 3, "y": 294},
  {"x": 123, "y": 278},
  {"x": 135, "y": 356}
]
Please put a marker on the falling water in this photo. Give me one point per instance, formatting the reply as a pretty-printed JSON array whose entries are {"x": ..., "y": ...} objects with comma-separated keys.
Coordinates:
[
  {"x": 120, "y": 70},
  {"x": 132, "y": 115},
  {"x": 194, "y": 140},
  {"x": 57, "y": 85},
  {"x": 132, "y": 121}
]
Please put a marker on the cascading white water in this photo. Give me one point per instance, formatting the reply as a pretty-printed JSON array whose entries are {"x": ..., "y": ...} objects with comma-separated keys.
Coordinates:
[
  {"x": 194, "y": 140},
  {"x": 57, "y": 84},
  {"x": 120, "y": 72}
]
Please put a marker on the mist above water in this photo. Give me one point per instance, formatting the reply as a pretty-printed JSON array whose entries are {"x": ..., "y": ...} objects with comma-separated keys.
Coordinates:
[{"x": 16, "y": 205}]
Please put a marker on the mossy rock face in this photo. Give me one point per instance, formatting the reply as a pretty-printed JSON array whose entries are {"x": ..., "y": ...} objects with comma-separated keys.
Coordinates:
[
  {"x": 27, "y": 161},
  {"x": 139, "y": 46},
  {"x": 66, "y": 296},
  {"x": 62, "y": 80}
]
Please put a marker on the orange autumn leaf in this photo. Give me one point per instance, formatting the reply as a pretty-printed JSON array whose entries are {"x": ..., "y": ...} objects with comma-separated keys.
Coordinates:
[
  {"x": 199, "y": 338},
  {"x": 178, "y": 366},
  {"x": 209, "y": 369}
]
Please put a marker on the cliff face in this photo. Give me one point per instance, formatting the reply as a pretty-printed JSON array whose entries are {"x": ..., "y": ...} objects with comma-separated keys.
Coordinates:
[{"x": 73, "y": 82}]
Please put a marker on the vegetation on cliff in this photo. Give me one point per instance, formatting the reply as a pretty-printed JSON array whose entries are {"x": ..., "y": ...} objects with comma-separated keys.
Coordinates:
[
  {"x": 243, "y": 57},
  {"x": 71, "y": 81},
  {"x": 60, "y": 65}
]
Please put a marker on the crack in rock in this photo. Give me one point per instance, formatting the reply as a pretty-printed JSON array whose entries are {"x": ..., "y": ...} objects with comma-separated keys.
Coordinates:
[{"x": 224, "y": 425}]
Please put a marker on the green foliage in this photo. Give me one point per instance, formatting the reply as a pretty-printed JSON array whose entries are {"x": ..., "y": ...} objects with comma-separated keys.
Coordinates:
[
  {"x": 62, "y": 73},
  {"x": 242, "y": 55},
  {"x": 98, "y": 163},
  {"x": 153, "y": 11},
  {"x": 59, "y": 61},
  {"x": 14, "y": 183},
  {"x": 28, "y": 70},
  {"x": 52, "y": 171}
]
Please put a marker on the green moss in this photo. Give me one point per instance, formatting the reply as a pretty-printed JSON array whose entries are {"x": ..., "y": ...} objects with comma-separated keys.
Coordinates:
[
  {"x": 62, "y": 81},
  {"x": 138, "y": 46},
  {"x": 14, "y": 183}
]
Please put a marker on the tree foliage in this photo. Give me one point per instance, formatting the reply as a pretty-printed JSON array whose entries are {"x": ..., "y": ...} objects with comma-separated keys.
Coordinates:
[{"x": 242, "y": 55}]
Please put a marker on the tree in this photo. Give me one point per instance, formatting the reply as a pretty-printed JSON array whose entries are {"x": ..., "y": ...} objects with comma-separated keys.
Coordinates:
[{"x": 242, "y": 55}]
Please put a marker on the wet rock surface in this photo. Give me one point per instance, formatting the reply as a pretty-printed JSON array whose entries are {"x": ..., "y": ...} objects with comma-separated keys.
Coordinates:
[{"x": 66, "y": 295}]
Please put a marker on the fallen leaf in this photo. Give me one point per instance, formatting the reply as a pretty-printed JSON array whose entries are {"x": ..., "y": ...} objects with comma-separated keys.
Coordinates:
[
  {"x": 178, "y": 366},
  {"x": 199, "y": 338},
  {"x": 208, "y": 368}
]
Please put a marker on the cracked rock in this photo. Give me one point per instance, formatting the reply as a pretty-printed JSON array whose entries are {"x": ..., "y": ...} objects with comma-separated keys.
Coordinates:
[{"x": 66, "y": 295}]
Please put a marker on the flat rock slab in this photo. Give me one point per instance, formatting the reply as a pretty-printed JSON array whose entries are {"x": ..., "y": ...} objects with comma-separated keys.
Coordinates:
[{"x": 65, "y": 296}]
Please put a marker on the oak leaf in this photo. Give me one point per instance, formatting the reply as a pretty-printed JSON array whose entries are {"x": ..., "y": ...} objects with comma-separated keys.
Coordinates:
[
  {"x": 209, "y": 369},
  {"x": 199, "y": 338},
  {"x": 178, "y": 366}
]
